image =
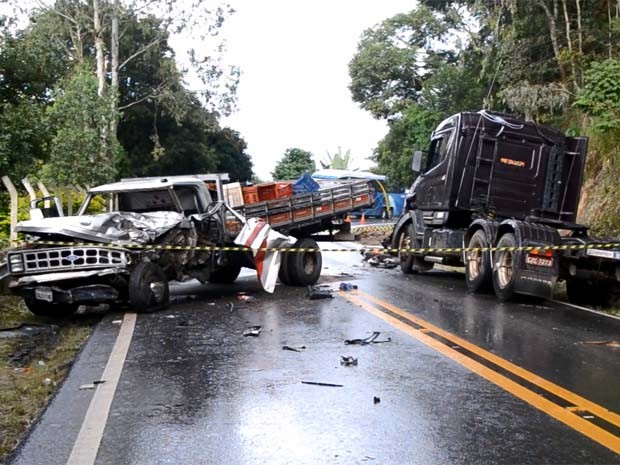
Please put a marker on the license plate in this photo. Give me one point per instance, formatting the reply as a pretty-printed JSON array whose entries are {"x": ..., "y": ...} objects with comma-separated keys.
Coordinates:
[
  {"x": 539, "y": 261},
  {"x": 44, "y": 294}
]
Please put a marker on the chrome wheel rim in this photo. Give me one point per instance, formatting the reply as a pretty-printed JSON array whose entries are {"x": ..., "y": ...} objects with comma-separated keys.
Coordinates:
[
  {"x": 504, "y": 268},
  {"x": 474, "y": 264}
]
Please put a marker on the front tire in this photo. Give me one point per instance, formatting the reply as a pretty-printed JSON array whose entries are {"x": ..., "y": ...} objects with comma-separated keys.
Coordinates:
[
  {"x": 404, "y": 243},
  {"x": 504, "y": 268},
  {"x": 478, "y": 270},
  {"x": 50, "y": 310},
  {"x": 148, "y": 288},
  {"x": 304, "y": 268}
]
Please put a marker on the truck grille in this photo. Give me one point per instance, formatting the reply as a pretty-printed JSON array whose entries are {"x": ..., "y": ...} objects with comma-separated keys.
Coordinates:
[{"x": 71, "y": 258}]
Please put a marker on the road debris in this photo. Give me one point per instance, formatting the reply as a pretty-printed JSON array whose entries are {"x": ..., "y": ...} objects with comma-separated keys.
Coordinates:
[
  {"x": 245, "y": 298},
  {"x": 372, "y": 339},
  {"x": 92, "y": 385},
  {"x": 117, "y": 322},
  {"x": 230, "y": 306},
  {"x": 347, "y": 287},
  {"x": 316, "y": 383},
  {"x": 313, "y": 293},
  {"x": 253, "y": 331},
  {"x": 294, "y": 349},
  {"x": 348, "y": 360},
  {"x": 379, "y": 259},
  {"x": 376, "y": 400},
  {"x": 47, "y": 381},
  {"x": 601, "y": 343}
]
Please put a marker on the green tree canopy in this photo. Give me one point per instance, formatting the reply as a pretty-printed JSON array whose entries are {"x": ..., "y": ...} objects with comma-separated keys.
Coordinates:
[{"x": 293, "y": 164}]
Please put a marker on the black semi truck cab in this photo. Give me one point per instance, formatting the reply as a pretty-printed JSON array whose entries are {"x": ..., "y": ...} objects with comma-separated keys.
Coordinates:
[{"x": 492, "y": 180}]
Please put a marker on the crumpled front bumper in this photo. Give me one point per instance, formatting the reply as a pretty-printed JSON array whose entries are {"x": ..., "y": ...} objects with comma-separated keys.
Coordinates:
[{"x": 84, "y": 295}]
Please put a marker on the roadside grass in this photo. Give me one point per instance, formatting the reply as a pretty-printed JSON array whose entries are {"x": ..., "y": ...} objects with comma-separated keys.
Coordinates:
[{"x": 31, "y": 367}]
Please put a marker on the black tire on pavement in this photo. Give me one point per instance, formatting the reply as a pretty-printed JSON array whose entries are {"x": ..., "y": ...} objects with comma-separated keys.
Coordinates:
[
  {"x": 581, "y": 292},
  {"x": 50, "y": 310},
  {"x": 384, "y": 214},
  {"x": 224, "y": 274},
  {"x": 304, "y": 268},
  {"x": 283, "y": 273},
  {"x": 596, "y": 293},
  {"x": 148, "y": 288},
  {"x": 504, "y": 267},
  {"x": 403, "y": 242},
  {"x": 478, "y": 270}
]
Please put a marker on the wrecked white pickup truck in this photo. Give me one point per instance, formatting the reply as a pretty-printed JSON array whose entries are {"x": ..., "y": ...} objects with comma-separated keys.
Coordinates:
[{"x": 130, "y": 238}]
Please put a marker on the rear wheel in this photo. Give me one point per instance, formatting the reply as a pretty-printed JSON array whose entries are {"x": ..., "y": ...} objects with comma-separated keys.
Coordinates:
[
  {"x": 148, "y": 288},
  {"x": 478, "y": 271},
  {"x": 504, "y": 269},
  {"x": 386, "y": 214},
  {"x": 224, "y": 274},
  {"x": 283, "y": 273},
  {"x": 596, "y": 293},
  {"x": 41, "y": 308},
  {"x": 304, "y": 268}
]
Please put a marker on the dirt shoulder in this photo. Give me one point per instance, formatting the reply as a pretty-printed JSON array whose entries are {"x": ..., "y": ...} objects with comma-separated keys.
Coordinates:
[{"x": 35, "y": 356}]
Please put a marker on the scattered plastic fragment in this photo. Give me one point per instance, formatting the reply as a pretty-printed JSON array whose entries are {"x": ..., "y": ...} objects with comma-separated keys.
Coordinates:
[
  {"x": 602, "y": 343},
  {"x": 315, "y": 383},
  {"x": 245, "y": 298},
  {"x": 293, "y": 349},
  {"x": 230, "y": 306},
  {"x": 253, "y": 331},
  {"x": 47, "y": 381},
  {"x": 347, "y": 286},
  {"x": 41, "y": 363},
  {"x": 92, "y": 385},
  {"x": 313, "y": 293},
  {"x": 348, "y": 360},
  {"x": 117, "y": 322},
  {"x": 376, "y": 400},
  {"x": 372, "y": 339}
]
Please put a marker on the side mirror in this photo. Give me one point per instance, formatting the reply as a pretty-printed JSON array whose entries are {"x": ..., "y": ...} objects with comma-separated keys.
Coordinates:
[{"x": 416, "y": 163}]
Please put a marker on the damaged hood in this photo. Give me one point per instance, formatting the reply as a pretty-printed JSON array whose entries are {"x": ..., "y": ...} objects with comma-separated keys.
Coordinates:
[{"x": 136, "y": 228}]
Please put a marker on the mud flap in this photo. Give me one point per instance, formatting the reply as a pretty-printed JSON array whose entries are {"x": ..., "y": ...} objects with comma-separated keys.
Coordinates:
[{"x": 535, "y": 283}]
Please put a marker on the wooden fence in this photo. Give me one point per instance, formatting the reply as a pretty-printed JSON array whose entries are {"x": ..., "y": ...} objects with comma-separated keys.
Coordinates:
[{"x": 64, "y": 195}]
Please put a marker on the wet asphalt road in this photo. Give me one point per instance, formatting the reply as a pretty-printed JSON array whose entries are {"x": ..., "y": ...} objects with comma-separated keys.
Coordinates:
[{"x": 194, "y": 390}]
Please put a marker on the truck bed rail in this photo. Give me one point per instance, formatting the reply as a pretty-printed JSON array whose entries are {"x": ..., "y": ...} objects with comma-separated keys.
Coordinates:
[{"x": 312, "y": 208}]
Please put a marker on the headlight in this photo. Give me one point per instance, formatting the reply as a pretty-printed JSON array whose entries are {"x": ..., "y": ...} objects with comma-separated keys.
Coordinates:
[{"x": 16, "y": 263}]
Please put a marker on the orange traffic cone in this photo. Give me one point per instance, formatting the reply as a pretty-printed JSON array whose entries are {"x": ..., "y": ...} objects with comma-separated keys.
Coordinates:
[
  {"x": 347, "y": 219},
  {"x": 363, "y": 219}
]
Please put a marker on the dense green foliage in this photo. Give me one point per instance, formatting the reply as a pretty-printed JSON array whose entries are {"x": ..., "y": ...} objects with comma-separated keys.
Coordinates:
[
  {"x": 553, "y": 61},
  {"x": 63, "y": 125},
  {"x": 53, "y": 117},
  {"x": 293, "y": 164}
]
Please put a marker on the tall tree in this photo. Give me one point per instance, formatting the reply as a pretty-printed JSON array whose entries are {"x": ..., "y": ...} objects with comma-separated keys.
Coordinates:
[
  {"x": 338, "y": 160},
  {"x": 293, "y": 164}
]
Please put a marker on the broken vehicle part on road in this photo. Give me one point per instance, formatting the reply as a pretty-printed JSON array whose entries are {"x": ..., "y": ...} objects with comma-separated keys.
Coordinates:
[{"x": 372, "y": 339}]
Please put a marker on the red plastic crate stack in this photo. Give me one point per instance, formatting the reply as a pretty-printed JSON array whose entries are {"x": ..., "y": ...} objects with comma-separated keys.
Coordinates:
[
  {"x": 250, "y": 195},
  {"x": 274, "y": 190}
]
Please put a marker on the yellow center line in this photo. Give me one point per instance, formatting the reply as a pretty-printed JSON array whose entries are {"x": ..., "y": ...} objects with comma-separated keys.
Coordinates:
[
  {"x": 567, "y": 417},
  {"x": 575, "y": 399}
]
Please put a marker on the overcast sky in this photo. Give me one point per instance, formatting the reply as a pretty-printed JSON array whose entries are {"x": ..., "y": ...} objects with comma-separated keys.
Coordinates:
[{"x": 293, "y": 92}]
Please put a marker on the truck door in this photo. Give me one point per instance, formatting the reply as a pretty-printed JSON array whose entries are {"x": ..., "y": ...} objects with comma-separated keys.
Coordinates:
[{"x": 431, "y": 188}]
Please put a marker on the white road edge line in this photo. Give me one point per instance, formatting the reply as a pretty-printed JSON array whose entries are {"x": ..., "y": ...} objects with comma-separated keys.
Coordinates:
[
  {"x": 88, "y": 440},
  {"x": 586, "y": 309}
]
